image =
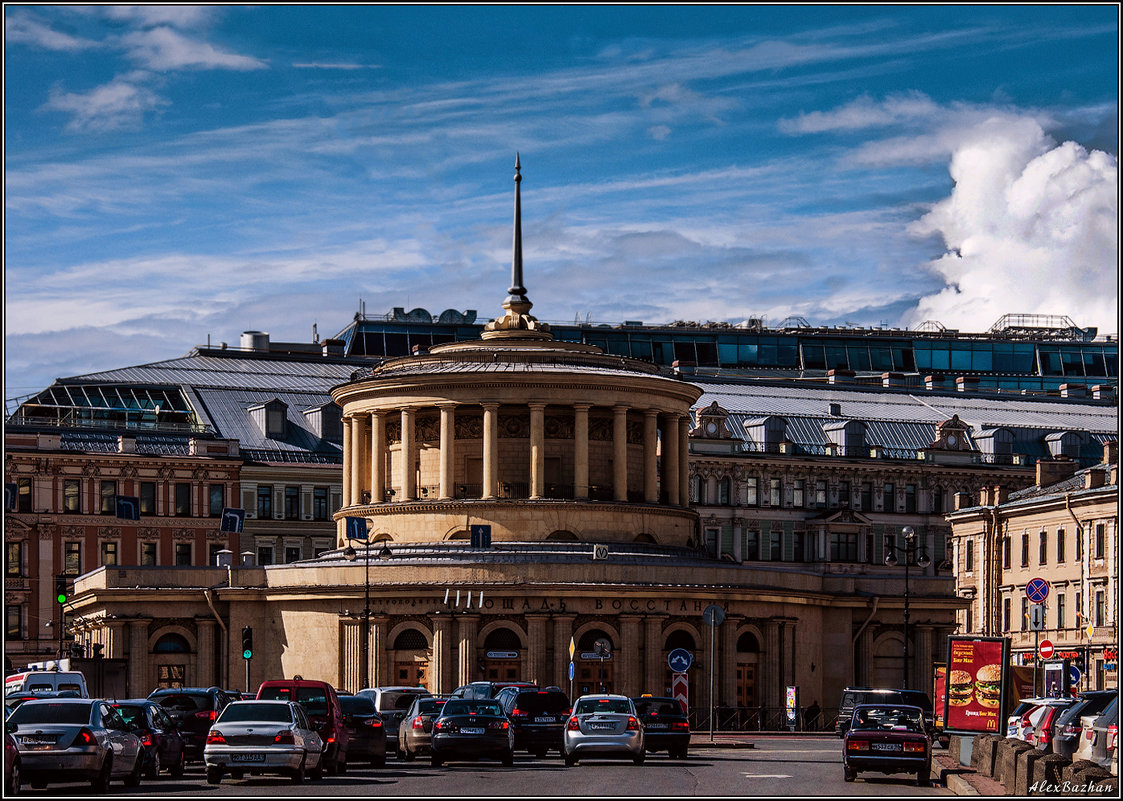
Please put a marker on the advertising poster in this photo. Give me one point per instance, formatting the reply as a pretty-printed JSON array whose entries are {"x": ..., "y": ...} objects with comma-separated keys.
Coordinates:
[
  {"x": 939, "y": 695},
  {"x": 791, "y": 702},
  {"x": 976, "y": 676}
]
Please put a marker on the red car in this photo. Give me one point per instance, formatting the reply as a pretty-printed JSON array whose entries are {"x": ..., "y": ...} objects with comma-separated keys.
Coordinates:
[
  {"x": 12, "y": 764},
  {"x": 887, "y": 738}
]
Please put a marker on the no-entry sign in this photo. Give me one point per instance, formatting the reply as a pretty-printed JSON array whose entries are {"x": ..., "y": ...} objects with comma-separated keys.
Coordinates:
[{"x": 1045, "y": 649}]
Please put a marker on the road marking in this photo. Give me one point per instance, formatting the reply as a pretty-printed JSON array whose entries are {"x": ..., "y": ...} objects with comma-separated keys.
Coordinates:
[{"x": 766, "y": 775}]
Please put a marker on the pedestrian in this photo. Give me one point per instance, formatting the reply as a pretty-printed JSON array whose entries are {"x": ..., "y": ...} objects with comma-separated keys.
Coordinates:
[{"x": 811, "y": 716}]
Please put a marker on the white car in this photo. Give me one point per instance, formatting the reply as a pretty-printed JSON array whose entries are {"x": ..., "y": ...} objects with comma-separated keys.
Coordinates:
[
  {"x": 603, "y": 725},
  {"x": 263, "y": 737}
]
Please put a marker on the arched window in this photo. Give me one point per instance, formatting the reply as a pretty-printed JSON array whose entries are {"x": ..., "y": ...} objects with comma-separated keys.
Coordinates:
[
  {"x": 680, "y": 639},
  {"x": 697, "y": 489},
  {"x": 410, "y": 640},
  {"x": 747, "y": 644},
  {"x": 724, "y": 491},
  {"x": 503, "y": 640},
  {"x": 562, "y": 536},
  {"x": 172, "y": 644},
  {"x": 589, "y": 639},
  {"x": 645, "y": 538}
]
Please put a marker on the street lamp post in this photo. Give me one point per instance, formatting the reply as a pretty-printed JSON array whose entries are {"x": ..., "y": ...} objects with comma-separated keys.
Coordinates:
[
  {"x": 350, "y": 554},
  {"x": 911, "y": 557}
]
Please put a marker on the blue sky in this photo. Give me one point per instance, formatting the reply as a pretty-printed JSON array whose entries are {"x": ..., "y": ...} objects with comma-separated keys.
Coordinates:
[{"x": 175, "y": 173}]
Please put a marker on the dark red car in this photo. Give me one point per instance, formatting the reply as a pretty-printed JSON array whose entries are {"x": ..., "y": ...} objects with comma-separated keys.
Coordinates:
[
  {"x": 887, "y": 738},
  {"x": 164, "y": 747},
  {"x": 12, "y": 765}
]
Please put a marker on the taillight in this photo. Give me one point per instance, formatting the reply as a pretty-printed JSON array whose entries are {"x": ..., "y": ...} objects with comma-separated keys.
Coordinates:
[
  {"x": 568, "y": 711},
  {"x": 146, "y": 740},
  {"x": 632, "y": 723},
  {"x": 858, "y": 745},
  {"x": 207, "y": 714},
  {"x": 284, "y": 738},
  {"x": 680, "y": 725},
  {"x": 418, "y": 722},
  {"x": 215, "y": 736},
  {"x": 572, "y": 725},
  {"x": 1112, "y": 733},
  {"x": 499, "y": 725},
  {"x": 375, "y": 722},
  {"x": 85, "y": 737},
  {"x": 916, "y": 748},
  {"x": 438, "y": 725},
  {"x": 1070, "y": 729},
  {"x": 516, "y": 712}
]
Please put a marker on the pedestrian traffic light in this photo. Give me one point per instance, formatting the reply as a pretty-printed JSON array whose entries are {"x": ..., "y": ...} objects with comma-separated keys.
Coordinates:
[
  {"x": 61, "y": 592},
  {"x": 247, "y": 642}
]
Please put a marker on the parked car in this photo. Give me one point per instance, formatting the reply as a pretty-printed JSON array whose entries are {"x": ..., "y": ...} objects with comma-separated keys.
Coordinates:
[
  {"x": 13, "y": 765},
  {"x": 1045, "y": 727},
  {"x": 537, "y": 716},
  {"x": 44, "y": 681},
  {"x": 1105, "y": 728},
  {"x": 416, "y": 730},
  {"x": 321, "y": 702},
  {"x": 605, "y": 726},
  {"x": 366, "y": 733},
  {"x": 392, "y": 704},
  {"x": 74, "y": 740},
  {"x": 852, "y": 697},
  {"x": 263, "y": 737},
  {"x": 665, "y": 725},
  {"x": 164, "y": 747},
  {"x": 887, "y": 738},
  {"x": 1014, "y": 719},
  {"x": 484, "y": 690},
  {"x": 1066, "y": 728},
  {"x": 193, "y": 710},
  {"x": 472, "y": 729},
  {"x": 1032, "y": 719}
]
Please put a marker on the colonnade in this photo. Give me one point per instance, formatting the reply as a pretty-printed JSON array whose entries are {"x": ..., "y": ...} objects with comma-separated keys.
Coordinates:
[{"x": 365, "y": 436}]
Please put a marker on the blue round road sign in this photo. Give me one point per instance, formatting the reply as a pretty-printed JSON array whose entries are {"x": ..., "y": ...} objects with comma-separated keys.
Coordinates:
[
  {"x": 1037, "y": 590},
  {"x": 680, "y": 660},
  {"x": 1074, "y": 675}
]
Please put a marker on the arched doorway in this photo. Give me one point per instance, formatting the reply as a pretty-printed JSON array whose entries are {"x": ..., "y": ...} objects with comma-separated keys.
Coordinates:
[
  {"x": 410, "y": 659},
  {"x": 685, "y": 640},
  {"x": 170, "y": 656},
  {"x": 887, "y": 663},
  {"x": 503, "y": 655},
  {"x": 748, "y": 656},
  {"x": 593, "y": 675}
]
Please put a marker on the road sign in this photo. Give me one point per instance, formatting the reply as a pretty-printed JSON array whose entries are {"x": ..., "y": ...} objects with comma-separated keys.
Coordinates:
[
  {"x": 600, "y": 552},
  {"x": 571, "y": 671},
  {"x": 680, "y": 689},
  {"x": 1090, "y": 630},
  {"x": 603, "y": 648},
  {"x": 589, "y": 655},
  {"x": 1074, "y": 675},
  {"x": 1045, "y": 649},
  {"x": 679, "y": 660},
  {"x": 502, "y": 654},
  {"x": 572, "y": 648},
  {"x": 1037, "y": 590},
  {"x": 1037, "y": 617},
  {"x": 713, "y": 615}
]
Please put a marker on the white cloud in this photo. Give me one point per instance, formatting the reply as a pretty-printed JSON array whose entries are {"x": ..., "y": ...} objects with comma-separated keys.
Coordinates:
[
  {"x": 166, "y": 14},
  {"x": 117, "y": 105},
  {"x": 165, "y": 49},
  {"x": 865, "y": 112},
  {"x": 316, "y": 65},
  {"x": 22, "y": 28},
  {"x": 1030, "y": 227},
  {"x": 659, "y": 132}
]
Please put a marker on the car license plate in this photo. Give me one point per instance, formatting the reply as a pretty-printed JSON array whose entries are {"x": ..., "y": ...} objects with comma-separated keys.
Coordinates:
[
  {"x": 37, "y": 740},
  {"x": 601, "y": 726},
  {"x": 886, "y": 746},
  {"x": 656, "y": 725},
  {"x": 471, "y": 730},
  {"x": 547, "y": 719},
  {"x": 247, "y": 757}
]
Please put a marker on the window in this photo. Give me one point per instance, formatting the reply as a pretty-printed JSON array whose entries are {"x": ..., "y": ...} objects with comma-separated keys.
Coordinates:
[
  {"x": 910, "y": 499},
  {"x": 214, "y": 500},
  {"x": 888, "y": 498},
  {"x": 1060, "y": 611},
  {"x": 23, "y": 503},
  {"x": 696, "y": 489},
  {"x": 752, "y": 546},
  {"x": 183, "y": 500},
  {"x": 72, "y": 496},
  {"x": 1101, "y": 608},
  {"x": 109, "y": 553},
  {"x": 752, "y": 491},
  {"x": 937, "y": 501},
  {"x": 844, "y": 547},
  {"x": 1042, "y": 547},
  {"x": 797, "y": 493},
  {"x": 148, "y": 497},
  {"x": 148, "y": 553},
  {"x": 969, "y": 558},
  {"x": 183, "y": 554},
  {"x": 799, "y": 553},
  {"x": 1079, "y": 611},
  {"x": 1060, "y": 545},
  {"x": 1005, "y": 614},
  {"x": 865, "y": 498},
  {"x": 970, "y": 618},
  {"x": 1006, "y": 552},
  {"x": 13, "y": 628},
  {"x": 774, "y": 498},
  {"x": 292, "y": 554},
  {"x": 320, "y": 503},
  {"x": 265, "y": 501},
  {"x": 723, "y": 491},
  {"x": 265, "y": 555},
  {"x": 775, "y": 549},
  {"x": 844, "y": 494},
  {"x": 109, "y": 497},
  {"x": 13, "y": 567},
  {"x": 1099, "y": 553},
  {"x": 72, "y": 558},
  {"x": 1025, "y": 550},
  {"x": 1079, "y": 544},
  {"x": 1025, "y": 614},
  {"x": 820, "y": 495}
]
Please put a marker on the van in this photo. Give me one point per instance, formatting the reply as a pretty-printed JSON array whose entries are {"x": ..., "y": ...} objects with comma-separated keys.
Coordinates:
[
  {"x": 854, "y": 696},
  {"x": 321, "y": 704},
  {"x": 38, "y": 681}
]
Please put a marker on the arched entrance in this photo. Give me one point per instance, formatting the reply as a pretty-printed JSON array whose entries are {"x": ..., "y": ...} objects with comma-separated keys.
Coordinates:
[
  {"x": 685, "y": 640},
  {"x": 409, "y": 659},
  {"x": 502, "y": 656},
  {"x": 593, "y": 675},
  {"x": 886, "y": 670},
  {"x": 170, "y": 656},
  {"x": 748, "y": 656}
]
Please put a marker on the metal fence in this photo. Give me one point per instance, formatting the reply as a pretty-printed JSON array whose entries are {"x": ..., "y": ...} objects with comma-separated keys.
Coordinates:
[{"x": 763, "y": 718}]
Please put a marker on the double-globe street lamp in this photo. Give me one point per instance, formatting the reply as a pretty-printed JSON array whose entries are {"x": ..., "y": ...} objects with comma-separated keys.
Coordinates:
[
  {"x": 911, "y": 557},
  {"x": 350, "y": 554}
]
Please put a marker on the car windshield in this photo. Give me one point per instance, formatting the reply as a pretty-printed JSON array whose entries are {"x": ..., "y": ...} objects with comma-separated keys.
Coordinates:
[
  {"x": 657, "y": 706},
  {"x": 51, "y": 712},
  {"x": 357, "y": 705},
  {"x": 464, "y": 707},
  {"x": 243, "y": 711},
  {"x": 543, "y": 702},
  {"x": 313, "y": 699},
  {"x": 430, "y": 706},
  {"x": 887, "y": 718},
  {"x": 587, "y": 706},
  {"x": 132, "y": 714},
  {"x": 184, "y": 702},
  {"x": 396, "y": 700}
]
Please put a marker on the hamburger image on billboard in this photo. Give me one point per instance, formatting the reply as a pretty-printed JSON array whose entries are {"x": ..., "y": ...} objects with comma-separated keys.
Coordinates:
[
  {"x": 976, "y": 675},
  {"x": 988, "y": 686},
  {"x": 961, "y": 686}
]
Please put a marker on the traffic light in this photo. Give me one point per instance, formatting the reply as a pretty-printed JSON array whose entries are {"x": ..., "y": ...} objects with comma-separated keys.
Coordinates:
[
  {"x": 61, "y": 591},
  {"x": 247, "y": 642}
]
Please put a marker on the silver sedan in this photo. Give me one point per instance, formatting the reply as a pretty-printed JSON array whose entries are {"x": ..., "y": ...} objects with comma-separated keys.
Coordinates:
[
  {"x": 263, "y": 737},
  {"x": 603, "y": 725}
]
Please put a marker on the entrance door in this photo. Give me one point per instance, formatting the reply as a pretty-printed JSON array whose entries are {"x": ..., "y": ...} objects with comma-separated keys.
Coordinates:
[
  {"x": 411, "y": 673},
  {"x": 746, "y": 684},
  {"x": 593, "y": 676}
]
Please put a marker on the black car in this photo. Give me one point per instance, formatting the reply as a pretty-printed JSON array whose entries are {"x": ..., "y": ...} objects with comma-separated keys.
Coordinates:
[
  {"x": 470, "y": 730},
  {"x": 366, "y": 730},
  {"x": 856, "y": 696},
  {"x": 483, "y": 690},
  {"x": 193, "y": 710},
  {"x": 665, "y": 725},
  {"x": 164, "y": 747},
  {"x": 537, "y": 716}
]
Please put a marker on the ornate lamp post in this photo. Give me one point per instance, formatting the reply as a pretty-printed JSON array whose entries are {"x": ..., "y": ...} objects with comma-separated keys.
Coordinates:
[
  {"x": 350, "y": 554},
  {"x": 911, "y": 557}
]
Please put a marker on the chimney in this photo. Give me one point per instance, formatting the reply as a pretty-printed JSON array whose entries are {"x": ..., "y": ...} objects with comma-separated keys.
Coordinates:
[
  {"x": 1050, "y": 471},
  {"x": 126, "y": 444},
  {"x": 966, "y": 383},
  {"x": 999, "y": 494},
  {"x": 984, "y": 496},
  {"x": 1094, "y": 478},
  {"x": 334, "y": 347},
  {"x": 835, "y": 376},
  {"x": 255, "y": 340},
  {"x": 892, "y": 379},
  {"x": 1111, "y": 452},
  {"x": 1074, "y": 391},
  {"x": 961, "y": 500},
  {"x": 933, "y": 382}
]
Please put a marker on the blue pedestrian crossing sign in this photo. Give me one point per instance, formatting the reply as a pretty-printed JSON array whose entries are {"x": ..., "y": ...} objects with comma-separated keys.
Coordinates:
[
  {"x": 1037, "y": 590},
  {"x": 679, "y": 660}
]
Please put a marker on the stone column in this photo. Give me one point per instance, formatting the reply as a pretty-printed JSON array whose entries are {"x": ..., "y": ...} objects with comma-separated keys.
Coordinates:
[
  {"x": 537, "y": 449},
  {"x": 378, "y": 672},
  {"x": 671, "y": 459},
  {"x": 536, "y": 663},
  {"x": 563, "y": 631},
  {"x": 580, "y": 451},
  {"x": 920, "y": 655},
  {"x": 140, "y": 680},
  {"x": 348, "y": 455},
  {"x": 205, "y": 651},
  {"x": 737, "y": 527},
  {"x": 650, "y": 455},
  {"x": 771, "y": 671},
  {"x": 466, "y": 666},
  {"x": 628, "y": 659},
  {"x": 448, "y": 450},
  {"x": 441, "y": 668},
  {"x": 727, "y": 664},
  {"x": 408, "y": 467},
  {"x": 491, "y": 451},
  {"x": 683, "y": 461},
  {"x": 653, "y": 655},
  {"x": 620, "y": 453},
  {"x": 354, "y": 479},
  {"x": 377, "y": 457}
]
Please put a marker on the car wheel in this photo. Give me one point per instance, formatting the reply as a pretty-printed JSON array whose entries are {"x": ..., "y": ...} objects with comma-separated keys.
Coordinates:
[
  {"x": 214, "y": 775},
  {"x": 100, "y": 784},
  {"x": 180, "y": 765},
  {"x": 12, "y": 783},
  {"x": 406, "y": 755},
  {"x": 133, "y": 779},
  {"x": 436, "y": 761},
  {"x": 849, "y": 774},
  {"x": 570, "y": 760},
  {"x": 922, "y": 778},
  {"x": 152, "y": 769},
  {"x": 508, "y": 759},
  {"x": 316, "y": 773},
  {"x": 298, "y": 772}
]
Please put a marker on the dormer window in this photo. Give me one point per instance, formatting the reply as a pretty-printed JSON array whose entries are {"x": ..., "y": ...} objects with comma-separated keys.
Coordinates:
[{"x": 271, "y": 418}]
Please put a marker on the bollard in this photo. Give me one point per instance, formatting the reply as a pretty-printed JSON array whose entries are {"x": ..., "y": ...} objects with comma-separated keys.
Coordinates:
[
  {"x": 1004, "y": 757},
  {"x": 1047, "y": 771},
  {"x": 1018, "y": 783}
]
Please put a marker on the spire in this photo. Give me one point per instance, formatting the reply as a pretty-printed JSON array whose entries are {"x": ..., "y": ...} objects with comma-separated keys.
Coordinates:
[{"x": 517, "y": 323}]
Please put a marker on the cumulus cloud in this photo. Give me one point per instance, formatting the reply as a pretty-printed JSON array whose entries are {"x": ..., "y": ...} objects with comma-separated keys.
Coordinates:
[
  {"x": 1023, "y": 211},
  {"x": 117, "y": 105},
  {"x": 165, "y": 49}
]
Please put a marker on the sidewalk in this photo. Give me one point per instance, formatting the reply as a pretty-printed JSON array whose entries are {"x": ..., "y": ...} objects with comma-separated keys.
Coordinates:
[{"x": 962, "y": 780}]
